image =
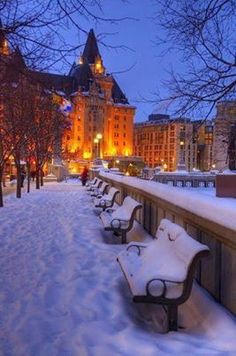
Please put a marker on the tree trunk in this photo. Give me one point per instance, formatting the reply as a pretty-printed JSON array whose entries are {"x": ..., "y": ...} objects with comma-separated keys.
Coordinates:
[
  {"x": 41, "y": 178},
  {"x": 18, "y": 182},
  {"x": 1, "y": 192},
  {"x": 37, "y": 179},
  {"x": 28, "y": 177}
]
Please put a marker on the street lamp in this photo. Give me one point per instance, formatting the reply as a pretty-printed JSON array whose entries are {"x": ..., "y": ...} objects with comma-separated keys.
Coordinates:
[
  {"x": 181, "y": 163},
  {"x": 99, "y": 137}
]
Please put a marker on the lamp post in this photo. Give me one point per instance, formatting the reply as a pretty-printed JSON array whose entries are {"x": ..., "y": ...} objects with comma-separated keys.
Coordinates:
[
  {"x": 99, "y": 138},
  {"x": 181, "y": 165},
  {"x": 96, "y": 146}
]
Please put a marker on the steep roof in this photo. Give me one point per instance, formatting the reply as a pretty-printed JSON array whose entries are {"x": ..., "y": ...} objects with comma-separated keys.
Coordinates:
[
  {"x": 91, "y": 50},
  {"x": 17, "y": 59},
  {"x": 52, "y": 81},
  {"x": 117, "y": 94},
  {"x": 82, "y": 75}
]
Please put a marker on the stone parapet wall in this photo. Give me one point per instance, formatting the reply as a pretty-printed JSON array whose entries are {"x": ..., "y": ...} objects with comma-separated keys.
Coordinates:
[
  {"x": 186, "y": 180},
  {"x": 210, "y": 220}
]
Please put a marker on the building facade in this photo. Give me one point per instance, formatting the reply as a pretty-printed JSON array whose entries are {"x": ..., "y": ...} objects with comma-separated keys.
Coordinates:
[
  {"x": 171, "y": 143},
  {"x": 225, "y": 136},
  {"x": 101, "y": 118}
]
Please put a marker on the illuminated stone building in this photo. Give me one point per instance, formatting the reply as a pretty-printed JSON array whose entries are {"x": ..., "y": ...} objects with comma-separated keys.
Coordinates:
[
  {"x": 173, "y": 143},
  {"x": 101, "y": 117}
]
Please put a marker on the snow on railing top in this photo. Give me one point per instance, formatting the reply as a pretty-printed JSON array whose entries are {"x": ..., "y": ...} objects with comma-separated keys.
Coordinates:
[{"x": 219, "y": 210}]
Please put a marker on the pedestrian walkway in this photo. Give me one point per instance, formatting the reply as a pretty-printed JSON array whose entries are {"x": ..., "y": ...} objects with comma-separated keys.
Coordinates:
[
  {"x": 62, "y": 291},
  {"x": 10, "y": 188}
]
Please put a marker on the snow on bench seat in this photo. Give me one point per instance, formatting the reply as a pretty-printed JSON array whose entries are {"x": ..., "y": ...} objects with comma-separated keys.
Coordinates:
[
  {"x": 121, "y": 220},
  {"x": 99, "y": 191},
  {"x": 107, "y": 200},
  {"x": 94, "y": 186},
  {"x": 162, "y": 271}
]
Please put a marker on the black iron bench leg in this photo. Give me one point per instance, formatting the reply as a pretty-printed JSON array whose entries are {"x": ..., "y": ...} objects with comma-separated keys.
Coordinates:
[
  {"x": 123, "y": 237},
  {"x": 172, "y": 314}
]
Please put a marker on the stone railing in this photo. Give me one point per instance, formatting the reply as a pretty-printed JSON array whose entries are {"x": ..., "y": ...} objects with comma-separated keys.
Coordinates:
[
  {"x": 202, "y": 180},
  {"x": 206, "y": 218}
]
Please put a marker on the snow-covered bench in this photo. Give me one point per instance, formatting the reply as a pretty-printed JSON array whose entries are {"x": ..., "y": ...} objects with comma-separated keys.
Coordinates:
[
  {"x": 107, "y": 200},
  {"x": 94, "y": 186},
  {"x": 91, "y": 182},
  {"x": 162, "y": 271},
  {"x": 121, "y": 220},
  {"x": 98, "y": 192}
]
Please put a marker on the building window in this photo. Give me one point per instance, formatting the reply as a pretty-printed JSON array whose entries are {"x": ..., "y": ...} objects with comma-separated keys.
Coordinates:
[
  {"x": 68, "y": 137},
  {"x": 78, "y": 138}
]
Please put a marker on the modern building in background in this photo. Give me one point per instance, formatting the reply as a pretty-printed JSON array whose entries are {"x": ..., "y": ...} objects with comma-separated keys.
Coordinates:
[
  {"x": 225, "y": 136},
  {"x": 174, "y": 143}
]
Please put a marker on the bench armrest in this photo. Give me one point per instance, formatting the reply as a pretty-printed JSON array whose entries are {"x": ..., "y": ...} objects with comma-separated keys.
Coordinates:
[
  {"x": 116, "y": 223},
  {"x": 110, "y": 210},
  {"x": 138, "y": 247},
  {"x": 105, "y": 202},
  {"x": 163, "y": 281}
]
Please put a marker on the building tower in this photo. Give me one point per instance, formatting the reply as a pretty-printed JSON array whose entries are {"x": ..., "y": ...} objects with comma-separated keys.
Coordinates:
[{"x": 102, "y": 119}]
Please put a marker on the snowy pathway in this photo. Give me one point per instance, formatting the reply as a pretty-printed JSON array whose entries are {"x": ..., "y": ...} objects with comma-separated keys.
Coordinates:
[{"x": 62, "y": 292}]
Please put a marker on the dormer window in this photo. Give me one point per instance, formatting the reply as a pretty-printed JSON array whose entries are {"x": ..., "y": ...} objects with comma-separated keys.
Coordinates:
[{"x": 99, "y": 69}]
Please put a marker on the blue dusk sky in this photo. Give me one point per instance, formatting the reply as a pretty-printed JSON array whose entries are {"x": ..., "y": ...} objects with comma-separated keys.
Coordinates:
[{"x": 144, "y": 64}]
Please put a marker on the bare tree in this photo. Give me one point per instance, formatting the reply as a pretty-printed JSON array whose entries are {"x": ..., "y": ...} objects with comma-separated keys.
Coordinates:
[
  {"x": 204, "y": 33},
  {"x": 40, "y": 27},
  {"x": 47, "y": 128},
  {"x": 16, "y": 120}
]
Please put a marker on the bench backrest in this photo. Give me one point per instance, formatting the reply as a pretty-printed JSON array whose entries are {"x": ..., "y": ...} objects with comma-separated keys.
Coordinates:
[
  {"x": 103, "y": 187},
  {"x": 173, "y": 245},
  {"x": 97, "y": 184},
  {"x": 93, "y": 181},
  {"x": 175, "y": 252},
  {"x": 174, "y": 237},
  {"x": 127, "y": 210},
  {"x": 111, "y": 194}
]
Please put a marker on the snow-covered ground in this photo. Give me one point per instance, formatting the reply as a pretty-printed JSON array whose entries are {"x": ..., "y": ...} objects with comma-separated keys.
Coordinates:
[{"x": 62, "y": 292}]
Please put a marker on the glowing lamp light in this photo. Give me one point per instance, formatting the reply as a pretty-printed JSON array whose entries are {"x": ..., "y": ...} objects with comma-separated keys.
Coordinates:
[
  {"x": 95, "y": 140},
  {"x": 99, "y": 136},
  {"x": 165, "y": 166},
  {"x": 181, "y": 143},
  {"x": 86, "y": 155},
  {"x": 127, "y": 151},
  {"x": 213, "y": 166}
]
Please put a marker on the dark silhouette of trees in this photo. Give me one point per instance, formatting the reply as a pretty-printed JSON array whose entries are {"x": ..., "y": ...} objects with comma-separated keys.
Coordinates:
[
  {"x": 204, "y": 33},
  {"x": 40, "y": 28}
]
